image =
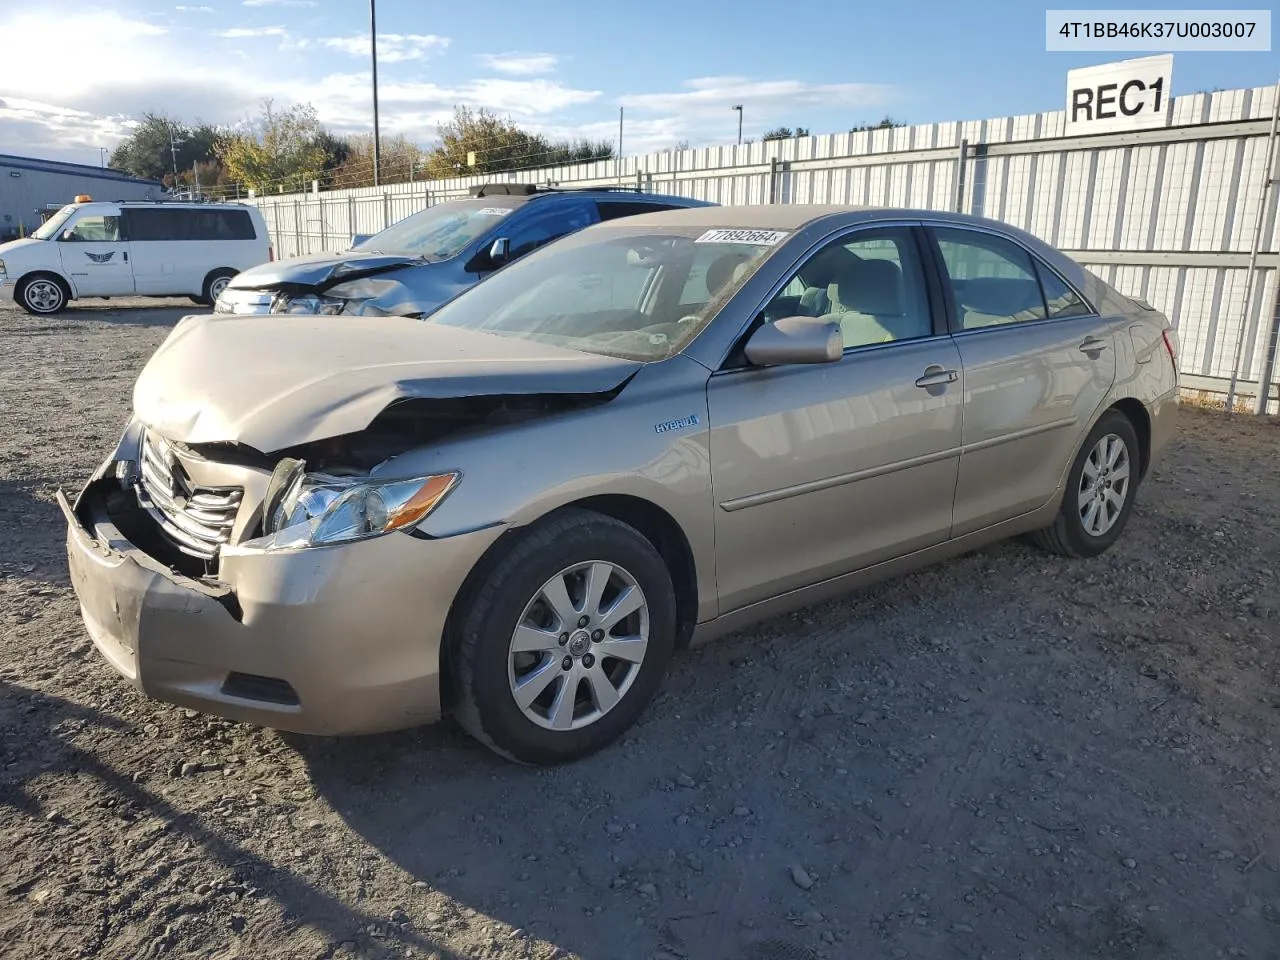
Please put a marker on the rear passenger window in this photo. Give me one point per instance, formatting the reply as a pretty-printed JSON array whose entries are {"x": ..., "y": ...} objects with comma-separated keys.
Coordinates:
[
  {"x": 159, "y": 224},
  {"x": 992, "y": 279},
  {"x": 151, "y": 225},
  {"x": 1060, "y": 299}
]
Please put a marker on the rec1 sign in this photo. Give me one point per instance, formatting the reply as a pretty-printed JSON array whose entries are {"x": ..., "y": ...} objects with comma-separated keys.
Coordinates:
[{"x": 1126, "y": 95}]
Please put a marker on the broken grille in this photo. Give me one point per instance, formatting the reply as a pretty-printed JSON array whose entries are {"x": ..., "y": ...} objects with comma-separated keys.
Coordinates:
[{"x": 197, "y": 519}]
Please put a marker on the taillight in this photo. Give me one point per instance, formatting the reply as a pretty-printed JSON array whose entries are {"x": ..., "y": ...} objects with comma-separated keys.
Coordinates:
[{"x": 1171, "y": 344}]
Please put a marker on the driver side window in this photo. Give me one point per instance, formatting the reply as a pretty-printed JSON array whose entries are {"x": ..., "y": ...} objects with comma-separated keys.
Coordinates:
[
  {"x": 537, "y": 231},
  {"x": 96, "y": 230},
  {"x": 870, "y": 282}
]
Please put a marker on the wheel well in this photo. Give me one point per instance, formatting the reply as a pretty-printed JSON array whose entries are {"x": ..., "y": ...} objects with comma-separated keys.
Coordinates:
[
  {"x": 218, "y": 271},
  {"x": 1141, "y": 420},
  {"x": 651, "y": 521},
  {"x": 61, "y": 281},
  {"x": 659, "y": 528}
]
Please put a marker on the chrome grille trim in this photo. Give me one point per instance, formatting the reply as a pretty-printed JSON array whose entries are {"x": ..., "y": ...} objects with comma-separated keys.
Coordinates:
[{"x": 197, "y": 519}]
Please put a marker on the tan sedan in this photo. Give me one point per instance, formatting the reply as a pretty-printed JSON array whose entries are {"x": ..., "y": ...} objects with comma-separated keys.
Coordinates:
[{"x": 640, "y": 437}]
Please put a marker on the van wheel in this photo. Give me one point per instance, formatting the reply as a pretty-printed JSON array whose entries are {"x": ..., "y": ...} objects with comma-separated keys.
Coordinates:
[
  {"x": 214, "y": 284},
  {"x": 564, "y": 640},
  {"x": 42, "y": 294}
]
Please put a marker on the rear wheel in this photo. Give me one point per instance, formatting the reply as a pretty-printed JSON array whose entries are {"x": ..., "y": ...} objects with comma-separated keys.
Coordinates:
[
  {"x": 565, "y": 641},
  {"x": 214, "y": 284},
  {"x": 1100, "y": 491},
  {"x": 42, "y": 294}
]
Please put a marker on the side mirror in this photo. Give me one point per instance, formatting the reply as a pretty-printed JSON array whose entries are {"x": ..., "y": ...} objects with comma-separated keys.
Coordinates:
[
  {"x": 795, "y": 340},
  {"x": 500, "y": 250}
]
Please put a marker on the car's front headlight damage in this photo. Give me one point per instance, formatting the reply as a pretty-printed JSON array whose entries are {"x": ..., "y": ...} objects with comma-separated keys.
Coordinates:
[
  {"x": 309, "y": 303},
  {"x": 317, "y": 509}
]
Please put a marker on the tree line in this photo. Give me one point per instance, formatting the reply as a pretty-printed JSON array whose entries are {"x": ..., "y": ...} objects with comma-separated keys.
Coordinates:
[{"x": 285, "y": 149}]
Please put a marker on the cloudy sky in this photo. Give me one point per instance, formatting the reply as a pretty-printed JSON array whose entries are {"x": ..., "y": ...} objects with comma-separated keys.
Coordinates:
[{"x": 74, "y": 73}]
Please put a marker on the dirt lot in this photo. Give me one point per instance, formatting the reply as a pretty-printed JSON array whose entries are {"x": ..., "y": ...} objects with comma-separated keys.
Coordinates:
[{"x": 1009, "y": 756}]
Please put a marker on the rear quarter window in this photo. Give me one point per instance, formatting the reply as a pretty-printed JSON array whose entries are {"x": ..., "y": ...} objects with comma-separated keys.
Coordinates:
[{"x": 613, "y": 209}]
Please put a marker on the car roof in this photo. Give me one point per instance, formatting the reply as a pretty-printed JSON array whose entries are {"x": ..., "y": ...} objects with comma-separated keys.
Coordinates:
[
  {"x": 616, "y": 194},
  {"x": 794, "y": 216}
]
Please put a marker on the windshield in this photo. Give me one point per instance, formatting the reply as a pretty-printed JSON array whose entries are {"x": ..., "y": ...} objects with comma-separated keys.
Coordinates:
[
  {"x": 615, "y": 290},
  {"x": 441, "y": 231},
  {"x": 50, "y": 228}
]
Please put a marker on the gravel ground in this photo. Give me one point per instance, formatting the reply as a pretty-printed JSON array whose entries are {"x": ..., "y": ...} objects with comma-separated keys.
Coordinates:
[{"x": 1006, "y": 756}]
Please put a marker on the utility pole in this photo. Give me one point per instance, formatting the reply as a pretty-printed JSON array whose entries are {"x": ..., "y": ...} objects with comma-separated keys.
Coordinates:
[
  {"x": 373, "y": 49},
  {"x": 173, "y": 152},
  {"x": 195, "y": 177},
  {"x": 102, "y": 155},
  {"x": 738, "y": 107}
]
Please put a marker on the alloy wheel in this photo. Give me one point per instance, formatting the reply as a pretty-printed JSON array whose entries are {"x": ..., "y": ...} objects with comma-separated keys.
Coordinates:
[
  {"x": 1104, "y": 485},
  {"x": 579, "y": 645}
]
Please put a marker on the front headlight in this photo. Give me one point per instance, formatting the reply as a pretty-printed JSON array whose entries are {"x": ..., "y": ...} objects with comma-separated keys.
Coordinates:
[
  {"x": 312, "y": 303},
  {"x": 315, "y": 509}
]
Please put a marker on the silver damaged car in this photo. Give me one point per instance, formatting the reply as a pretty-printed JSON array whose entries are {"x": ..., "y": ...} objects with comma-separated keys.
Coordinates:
[{"x": 637, "y": 438}]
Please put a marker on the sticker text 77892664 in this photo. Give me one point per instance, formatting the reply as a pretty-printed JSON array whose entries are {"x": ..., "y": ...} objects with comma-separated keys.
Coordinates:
[{"x": 762, "y": 238}]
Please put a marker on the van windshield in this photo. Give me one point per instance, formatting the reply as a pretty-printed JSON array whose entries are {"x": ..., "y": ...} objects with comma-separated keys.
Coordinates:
[
  {"x": 441, "y": 231},
  {"x": 49, "y": 229}
]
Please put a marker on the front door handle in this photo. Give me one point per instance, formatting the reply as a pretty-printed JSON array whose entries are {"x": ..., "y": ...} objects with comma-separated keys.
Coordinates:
[
  {"x": 1093, "y": 345},
  {"x": 936, "y": 375}
]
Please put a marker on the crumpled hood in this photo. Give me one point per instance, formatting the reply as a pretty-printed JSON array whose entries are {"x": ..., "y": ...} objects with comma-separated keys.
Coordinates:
[
  {"x": 321, "y": 270},
  {"x": 272, "y": 383}
]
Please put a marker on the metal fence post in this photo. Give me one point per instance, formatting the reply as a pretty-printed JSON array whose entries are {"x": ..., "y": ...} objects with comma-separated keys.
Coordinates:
[
  {"x": 297, "y": 227},
  {"x": 1271, "y": 178},
  {"x": 386, "y": 210},
  {"x": 773, "y": 179},
  {"x": 960, "y": 168},
  {"x": 320, "y": 208},
  {"x": 351, "y": 218}
]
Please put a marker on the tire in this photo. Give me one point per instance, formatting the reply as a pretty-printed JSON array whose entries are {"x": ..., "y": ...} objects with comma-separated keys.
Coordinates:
[
  {"x": 1087, "y": 525},
  {"x": 42, "y": 294},
  {"x": 486, "y": 670},
  {"x": 214, "y": 284}
]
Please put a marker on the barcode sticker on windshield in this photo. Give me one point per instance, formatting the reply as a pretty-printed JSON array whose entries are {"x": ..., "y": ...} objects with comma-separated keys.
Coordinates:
[
  {"x": 763, "y": 238},
  {"x": 493, "y": 211}
]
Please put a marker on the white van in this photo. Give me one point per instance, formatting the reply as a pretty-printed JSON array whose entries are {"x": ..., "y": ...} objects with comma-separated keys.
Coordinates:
[{"x": 145, "y": 249}]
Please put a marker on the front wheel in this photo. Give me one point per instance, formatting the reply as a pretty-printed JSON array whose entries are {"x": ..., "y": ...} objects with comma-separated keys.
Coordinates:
[
  {"x": 42, "y": 294},
  {"x": 565, "y": 641},
  {"x": 1100, "y": 491}
]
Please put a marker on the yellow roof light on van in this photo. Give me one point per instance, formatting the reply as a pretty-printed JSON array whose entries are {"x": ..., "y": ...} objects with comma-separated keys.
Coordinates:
[{"x": 84, "y": 198}]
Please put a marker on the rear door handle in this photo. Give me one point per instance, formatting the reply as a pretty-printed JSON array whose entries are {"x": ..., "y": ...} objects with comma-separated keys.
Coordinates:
[
  {"x": 936, "y": 375},
  {"x": 1093, "y": 345}
]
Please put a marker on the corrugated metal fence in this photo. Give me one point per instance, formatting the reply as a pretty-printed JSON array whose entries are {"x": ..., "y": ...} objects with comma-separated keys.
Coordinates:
[{"x": 1166, "y": 214}]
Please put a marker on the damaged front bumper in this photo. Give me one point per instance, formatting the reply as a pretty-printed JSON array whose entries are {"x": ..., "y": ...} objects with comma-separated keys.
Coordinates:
[{"x": 325, "y": 640}]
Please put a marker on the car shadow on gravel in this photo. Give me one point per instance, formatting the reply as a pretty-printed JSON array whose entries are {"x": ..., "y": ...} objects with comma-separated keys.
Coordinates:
[
  {"x": 22, "y": 515},
  {"x": 59, "y": 721},
  {"x": 158, "y": 316}
]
